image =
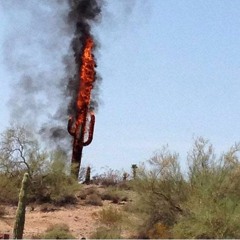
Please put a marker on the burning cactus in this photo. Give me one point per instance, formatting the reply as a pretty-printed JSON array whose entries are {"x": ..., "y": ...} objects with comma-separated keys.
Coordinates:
[{"x": 80, "y": 85}]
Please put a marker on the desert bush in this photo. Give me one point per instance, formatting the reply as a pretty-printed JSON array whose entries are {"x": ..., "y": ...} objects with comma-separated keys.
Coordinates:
[
  {"x": 93, "y": 199},
  {"x": 110, "y": 220},
  {"x": 109, "y": 178},
  {"x": 110, "y": 216},
  {"x": 9, "y": 188},
  {"x": 213, "y": 206},
  {"x": 58, "y": 231},
  {"x": 54, "y": 184},
  {"x": 49, "y": 177},
  {"x": 88, "y": 191},
  {"x": 106, "y": 233},
  {"x": 114, "y": 195},
  {"x": 205, "y": 204},
  {"x": 47, "y": 207},
  {"x": 159, "y": 231},
  {"x": 161, "y": 190},
  {"x": 111, "y": 195}
]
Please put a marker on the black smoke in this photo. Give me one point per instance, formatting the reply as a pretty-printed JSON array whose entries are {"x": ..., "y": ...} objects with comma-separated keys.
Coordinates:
[{"x": 42, "y": 53}]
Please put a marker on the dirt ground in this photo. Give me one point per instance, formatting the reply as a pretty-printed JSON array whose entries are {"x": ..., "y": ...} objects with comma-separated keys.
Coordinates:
[{"x": 80, "y": 218}]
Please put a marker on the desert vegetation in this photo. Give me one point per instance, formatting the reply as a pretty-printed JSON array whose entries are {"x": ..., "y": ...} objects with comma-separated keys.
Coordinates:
[{"x": 155, "y": 199}]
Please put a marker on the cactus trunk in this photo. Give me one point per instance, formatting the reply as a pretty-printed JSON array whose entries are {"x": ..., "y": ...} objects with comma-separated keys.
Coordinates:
[{"x": 20, "y": 215}]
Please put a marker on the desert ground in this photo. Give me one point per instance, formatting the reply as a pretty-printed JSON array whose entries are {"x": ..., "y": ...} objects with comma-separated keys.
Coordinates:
[{"x": 80, "y": 217}]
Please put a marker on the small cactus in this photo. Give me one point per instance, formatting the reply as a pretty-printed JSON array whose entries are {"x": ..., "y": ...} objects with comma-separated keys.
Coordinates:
[
  {"x": 88, "y": 175},
  {"x": 125, "y": 176},
  {"x": 20, "y": 214},
  {"x": 134, "y": 170}
]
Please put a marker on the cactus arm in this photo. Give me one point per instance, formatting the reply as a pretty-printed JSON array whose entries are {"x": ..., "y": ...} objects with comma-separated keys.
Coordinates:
[
  {"x": 91, "y": 129},
  {"x": 71, "y": 127}
]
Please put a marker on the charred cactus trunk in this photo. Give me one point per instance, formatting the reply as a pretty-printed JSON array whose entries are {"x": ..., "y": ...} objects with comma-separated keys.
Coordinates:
[{"x": 20, "y": 215}]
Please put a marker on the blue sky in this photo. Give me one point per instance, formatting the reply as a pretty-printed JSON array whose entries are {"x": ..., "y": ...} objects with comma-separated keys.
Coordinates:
[{"x": 170, "y": 72}]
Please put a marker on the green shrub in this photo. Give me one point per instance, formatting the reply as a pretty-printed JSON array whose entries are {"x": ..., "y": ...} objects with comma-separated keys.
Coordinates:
[
  {"x": 58, "y": 231},
  {"x": 9, "y": 188},
  {"x": 110, "y": 216},
  {"x": 111, "y": 221},
  {"x": 54, "y": 184},
  {"x": 114, "y": 195}
]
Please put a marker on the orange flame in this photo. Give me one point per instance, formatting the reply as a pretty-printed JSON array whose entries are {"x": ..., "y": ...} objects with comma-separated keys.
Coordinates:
[{"x": 87, "y": 78}]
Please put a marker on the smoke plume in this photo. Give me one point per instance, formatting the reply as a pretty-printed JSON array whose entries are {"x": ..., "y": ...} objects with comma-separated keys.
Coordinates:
[{"x": 42, "y": 52}]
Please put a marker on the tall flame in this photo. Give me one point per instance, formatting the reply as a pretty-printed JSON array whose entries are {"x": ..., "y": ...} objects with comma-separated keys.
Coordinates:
[{"x": 87, "y": 78}]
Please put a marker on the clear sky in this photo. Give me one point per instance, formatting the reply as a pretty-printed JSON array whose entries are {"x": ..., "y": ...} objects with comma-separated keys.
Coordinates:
[{"x": 170, "y": 72}]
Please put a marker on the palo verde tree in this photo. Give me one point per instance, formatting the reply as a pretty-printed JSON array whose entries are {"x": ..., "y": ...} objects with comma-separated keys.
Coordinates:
[
  {"x": 48, "y": 173},
  {"x": 19, "y": 152}
]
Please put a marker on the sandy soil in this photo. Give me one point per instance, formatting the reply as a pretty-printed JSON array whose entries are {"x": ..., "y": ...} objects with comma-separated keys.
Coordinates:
[{"x": 80, "y": 218}]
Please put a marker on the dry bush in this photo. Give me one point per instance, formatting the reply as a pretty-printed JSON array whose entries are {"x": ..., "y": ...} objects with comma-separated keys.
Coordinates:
[
  {"x": 159, "y": 231},
  {"x": 93, "y": 199},
  {"x": 58, "y": 231},
  {"x": 109, "y": 178},
  {"x": 110, "y": 220},
  {"x": 47, "y": 207},
  {"x": 88, "y": 191},
  {"x": 111, "y": 195},
  {"x": 114, "y": 195},
  {"x": 110, "y": 216},
  {"x": 106, "y": 233}
]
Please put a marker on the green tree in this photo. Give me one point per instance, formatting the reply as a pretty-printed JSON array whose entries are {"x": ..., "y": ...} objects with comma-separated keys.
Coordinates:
[{"x": 161, "y": 189}]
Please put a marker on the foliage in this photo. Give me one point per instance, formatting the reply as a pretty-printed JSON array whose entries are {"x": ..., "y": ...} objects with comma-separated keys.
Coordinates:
[
  {"x": 203, "y": 205},
  {"x": 161, "y": 189},
  {"x": 58, "y": 231},
  {"x": 88, "y": 191},
  {"x": 213, "y": 207},
  {"x": 106, "y": 233},
  {"x": 9, "y": 189},
  {"x": 114, "y": 195},
  {"x": 110, "y": 220},
  {"x": 159, "y": 231},
  {"x": 55, "y": 185},
  {"x": 49, "y": 175},
  {"x": 110, "y": 216},
  {"x": 109, "y": 178}
]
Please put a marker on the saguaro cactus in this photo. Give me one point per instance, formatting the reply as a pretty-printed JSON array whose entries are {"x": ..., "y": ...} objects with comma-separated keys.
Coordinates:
[
  {"x": 88, "y": 175},
  {"x": 20, "y": 214},
  {"x": 134, "y": 170},
  {"x": 78, "y": 131}
]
